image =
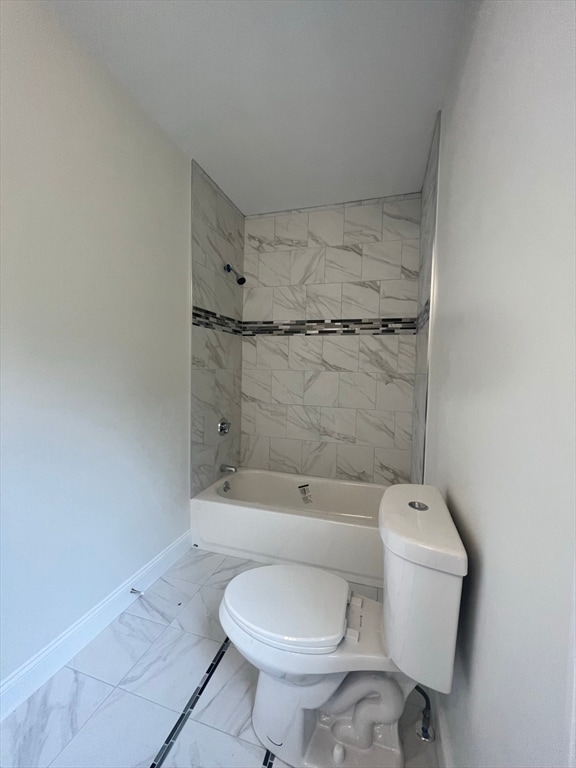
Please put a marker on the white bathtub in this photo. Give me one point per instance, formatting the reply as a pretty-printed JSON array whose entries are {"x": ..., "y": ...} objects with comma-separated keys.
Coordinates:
[{"x": 264, "y": 516}]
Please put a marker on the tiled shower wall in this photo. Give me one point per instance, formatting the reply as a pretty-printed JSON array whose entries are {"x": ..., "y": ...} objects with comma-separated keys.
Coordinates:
[
  {"x": 337, "y": 405},
  {"x": 217, "y": 239},
  {"x": 428, "y": 244}
]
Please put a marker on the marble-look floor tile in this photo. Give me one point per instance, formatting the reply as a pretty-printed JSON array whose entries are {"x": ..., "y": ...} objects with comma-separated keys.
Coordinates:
[
  {"x": 227, "y": 701},
  {"x": 40, "y": 728},
  {"x": 163, "y": 600},
  {"x": 199, "y": 746},
  {"x": 117, "y": 648},
  {"x": 126, "y": 732},
  {"x": 200, "y": 616},
  {"x": 171, "y": 669},
  {"x": 196, "y": 566},
  {"x": 230, "y": 568}
]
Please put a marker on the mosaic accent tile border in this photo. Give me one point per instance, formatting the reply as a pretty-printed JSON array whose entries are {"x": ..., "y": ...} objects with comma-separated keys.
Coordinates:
[
  {"x": 373, "y": 326},
  {"x": 423, "y": 316}
]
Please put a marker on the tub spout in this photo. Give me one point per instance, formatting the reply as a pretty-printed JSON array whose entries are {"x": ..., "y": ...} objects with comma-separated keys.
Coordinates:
[{"x": 227, "y": 468}]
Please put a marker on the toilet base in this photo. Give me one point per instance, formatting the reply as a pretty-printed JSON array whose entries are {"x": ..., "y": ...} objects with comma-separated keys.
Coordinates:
[{"x": 332, "y": 720}]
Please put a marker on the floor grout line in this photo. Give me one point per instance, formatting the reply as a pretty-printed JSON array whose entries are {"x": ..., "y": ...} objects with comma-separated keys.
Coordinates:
[{"x": 189, "y": 706}]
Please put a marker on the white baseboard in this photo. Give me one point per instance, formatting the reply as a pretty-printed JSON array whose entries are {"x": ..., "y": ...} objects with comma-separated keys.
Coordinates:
[
  {"x": 443, "y": 748},
  {"x": 24, "y": 681}
]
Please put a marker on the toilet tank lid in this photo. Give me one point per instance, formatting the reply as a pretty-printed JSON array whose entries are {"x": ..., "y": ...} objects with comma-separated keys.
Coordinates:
[{"x": 426, "y": 535}]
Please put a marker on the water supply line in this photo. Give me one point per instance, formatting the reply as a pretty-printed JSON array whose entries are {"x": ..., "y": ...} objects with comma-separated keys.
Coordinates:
[{"x": 423, "y": 727}]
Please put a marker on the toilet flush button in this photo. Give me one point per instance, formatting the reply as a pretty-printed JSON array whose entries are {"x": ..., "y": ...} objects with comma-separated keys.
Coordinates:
[{"x": 352, "y": 634}]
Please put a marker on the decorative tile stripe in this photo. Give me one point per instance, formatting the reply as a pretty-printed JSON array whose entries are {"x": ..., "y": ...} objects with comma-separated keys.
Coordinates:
[
  {"x": 373, "y": 326},
  {"x": 187, "y": 711},
  {"x": 423, "y": 316}
]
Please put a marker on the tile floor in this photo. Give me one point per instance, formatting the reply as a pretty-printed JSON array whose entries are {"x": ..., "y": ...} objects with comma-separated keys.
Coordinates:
[{"x": 118, "y": 701}]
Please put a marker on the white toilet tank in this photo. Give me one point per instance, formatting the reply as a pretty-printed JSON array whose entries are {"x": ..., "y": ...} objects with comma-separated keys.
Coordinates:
[{"x": 424, "y": 563}]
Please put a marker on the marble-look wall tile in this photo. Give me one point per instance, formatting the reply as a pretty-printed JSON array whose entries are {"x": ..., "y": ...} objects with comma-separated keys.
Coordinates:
[
  {"x": 288, "y": 387},
  {"x": 324, "y": 301},
  {"x": 303, "y": 422},
  {"x": 318, "y": 459},
  {"x": 340, "y": 353},
  {"x": 398, "y": 298},
  {"x": 272, "y": 352},
  {"x": 394, "y": 392},
  {"x": 362, "y": 224},
  {"x": 258, "y": 303},
  {"x": 391, "y": 466},
  {"x": 257, "y": 385},
  {"x": 273, "y": 269},
  {"x": 343, "y": 264},
  {"x": 401, "y": 220},
  {"x": 321, "y": 388},
  {"x": 270, "y": 419},
  {"x": 403, "y": 431},
  {"x": 378, "y": 353},
  {"x": 360, "y": 299},
  {"x": 357, "y": 390},
  {"x": 289, "y": 303},
  {"x": 305, "y": 353},
  {"x": 286, "y": 455},
  {"x": 382, "y": 261},
  {"x": 307, "y": 266},
  {"x": 338, "y": 425},
  {"x": 375, "y": 428},
  {"x": 259, "y": 235},
  {"x": 326, "y": 228},
  {"x": 291, "y": 231},
  {"x": 356, "y": 260},
  {"x": 355, "y": 462},
  {"x": 203, "y": 386},
  {"x": 255, "y": 451}
]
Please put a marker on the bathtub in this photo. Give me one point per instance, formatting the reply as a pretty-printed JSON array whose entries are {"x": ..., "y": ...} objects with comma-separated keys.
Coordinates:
[{"x": 274, "y": 517}]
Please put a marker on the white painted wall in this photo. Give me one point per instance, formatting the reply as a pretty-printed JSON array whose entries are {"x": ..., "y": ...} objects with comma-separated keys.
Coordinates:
[
  {"x": 95, "y": 349},
  {"x": 500, "y": 438}
]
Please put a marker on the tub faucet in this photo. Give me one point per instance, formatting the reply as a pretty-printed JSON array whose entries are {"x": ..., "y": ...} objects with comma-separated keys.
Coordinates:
[{"x": 227, "y": 468}]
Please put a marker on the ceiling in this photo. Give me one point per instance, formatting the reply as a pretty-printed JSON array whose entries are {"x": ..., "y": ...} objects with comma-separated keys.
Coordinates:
[{"x": 285, "y": 103}]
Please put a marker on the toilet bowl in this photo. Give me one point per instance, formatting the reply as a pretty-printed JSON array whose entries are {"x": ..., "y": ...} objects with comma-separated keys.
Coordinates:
[{"x": 335, "y": 668}]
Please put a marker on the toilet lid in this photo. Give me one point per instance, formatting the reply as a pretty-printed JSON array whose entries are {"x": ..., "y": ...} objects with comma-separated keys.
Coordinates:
[{"x": 292, "y": 607}]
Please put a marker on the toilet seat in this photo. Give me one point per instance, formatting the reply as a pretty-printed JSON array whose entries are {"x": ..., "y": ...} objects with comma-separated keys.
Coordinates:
[{"x": 290, "y": 607}]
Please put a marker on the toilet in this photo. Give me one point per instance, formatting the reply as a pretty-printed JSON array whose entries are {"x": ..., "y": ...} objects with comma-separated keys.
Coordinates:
[{"x": 335, "y": 668}]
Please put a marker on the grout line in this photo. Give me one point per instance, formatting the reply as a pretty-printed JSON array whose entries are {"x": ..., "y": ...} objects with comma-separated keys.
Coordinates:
[{"x": 189, "y": 706}]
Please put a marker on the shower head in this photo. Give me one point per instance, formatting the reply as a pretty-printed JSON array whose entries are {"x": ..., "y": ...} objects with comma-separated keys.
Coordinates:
[{"x": 240, "y": 279}]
